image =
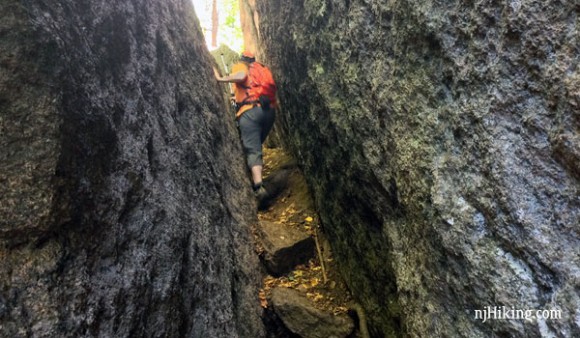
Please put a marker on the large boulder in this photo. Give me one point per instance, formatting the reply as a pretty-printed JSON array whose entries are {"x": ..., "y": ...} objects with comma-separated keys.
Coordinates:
[
  {"x": 301, "y": 317},
  {"x": 440, "y": 139},
  {"x": 125, "y": 204},
  {"x": 284, "y": 247}
]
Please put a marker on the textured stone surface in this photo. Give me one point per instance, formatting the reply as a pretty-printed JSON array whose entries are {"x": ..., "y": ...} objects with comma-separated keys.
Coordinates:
[
  {"x": 124, "y": 203},
  {"x": 229, "y": 59},
  {"x": 28, "y": 127},
  {"x": 284, "y": 247},
  {"x": 301, "y": 317},
  {"x": 441, "y": 142}
]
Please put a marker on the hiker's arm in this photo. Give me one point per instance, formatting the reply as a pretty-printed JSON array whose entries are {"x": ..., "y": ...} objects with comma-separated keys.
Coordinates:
[{"x": 235, "y": 77}]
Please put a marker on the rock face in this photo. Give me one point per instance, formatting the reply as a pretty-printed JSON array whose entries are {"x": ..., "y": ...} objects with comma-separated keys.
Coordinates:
[
  {"x": 124, "y": 203},
  {"x": 284, "y": 247},
  {"x": 441, "y": 143},
  {"x": 301, "y": 317}
]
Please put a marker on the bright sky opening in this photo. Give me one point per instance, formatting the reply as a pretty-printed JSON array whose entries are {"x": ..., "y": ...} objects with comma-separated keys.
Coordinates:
[{"x": 229, "y": 28}]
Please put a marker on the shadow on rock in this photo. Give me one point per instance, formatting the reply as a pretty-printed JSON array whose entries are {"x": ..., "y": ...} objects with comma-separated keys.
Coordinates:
[{"x": 275, "y": 184}]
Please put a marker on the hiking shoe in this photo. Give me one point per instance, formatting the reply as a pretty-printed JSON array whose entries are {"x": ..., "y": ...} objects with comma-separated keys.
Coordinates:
[
  {"x": 261, "y": 196},
  {"x": 261, "y": 193}
]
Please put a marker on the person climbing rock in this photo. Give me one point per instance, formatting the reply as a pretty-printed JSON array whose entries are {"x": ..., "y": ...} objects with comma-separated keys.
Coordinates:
[{"x": 255, "y": 98}]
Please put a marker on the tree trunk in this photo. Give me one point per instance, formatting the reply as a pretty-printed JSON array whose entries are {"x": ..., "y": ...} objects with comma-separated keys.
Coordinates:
[{"x": 214, "y": 23}]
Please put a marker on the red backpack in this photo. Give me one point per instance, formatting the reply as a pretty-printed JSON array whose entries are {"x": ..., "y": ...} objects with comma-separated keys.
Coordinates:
[{"x": 260, "y": 86}]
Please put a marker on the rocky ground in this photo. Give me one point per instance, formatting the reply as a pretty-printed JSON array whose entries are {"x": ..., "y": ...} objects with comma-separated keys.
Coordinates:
[{"x": 315, "y": 278}]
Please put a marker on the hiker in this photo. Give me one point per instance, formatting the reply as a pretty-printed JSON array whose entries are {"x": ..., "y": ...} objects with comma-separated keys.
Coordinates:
[{"x": 254, "y": 94}]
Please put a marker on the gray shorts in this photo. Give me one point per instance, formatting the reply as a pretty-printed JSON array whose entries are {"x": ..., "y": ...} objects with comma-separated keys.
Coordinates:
[{"x": 255, "y": 124}]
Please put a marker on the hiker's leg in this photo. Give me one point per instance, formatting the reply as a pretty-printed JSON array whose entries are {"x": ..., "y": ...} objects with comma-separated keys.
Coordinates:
[
  {"x": 268, "y": 118},
  {"x": 251, "y": 131},
  {"x": 257, "y": 174}
]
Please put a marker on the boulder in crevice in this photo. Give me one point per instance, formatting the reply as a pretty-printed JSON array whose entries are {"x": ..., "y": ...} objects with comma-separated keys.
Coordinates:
[
  {"x": 284, "y": 247},
  {"x": 304, "y": 319}
]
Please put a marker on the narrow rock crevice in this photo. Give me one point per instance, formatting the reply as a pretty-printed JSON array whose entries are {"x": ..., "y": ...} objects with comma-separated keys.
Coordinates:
[{"x": 463, "y": 107}]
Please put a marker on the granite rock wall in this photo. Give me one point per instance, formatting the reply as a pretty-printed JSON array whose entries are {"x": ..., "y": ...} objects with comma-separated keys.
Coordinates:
[
  {"x": 125, "y": 203},
  {"x": 441, "y": 141}
]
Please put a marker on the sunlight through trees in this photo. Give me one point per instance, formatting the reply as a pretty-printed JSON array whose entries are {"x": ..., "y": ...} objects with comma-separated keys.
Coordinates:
[{"x": 223, "y": 25}]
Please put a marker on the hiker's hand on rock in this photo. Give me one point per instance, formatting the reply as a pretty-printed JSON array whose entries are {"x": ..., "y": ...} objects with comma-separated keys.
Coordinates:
[{"x": 217, "y": 73}]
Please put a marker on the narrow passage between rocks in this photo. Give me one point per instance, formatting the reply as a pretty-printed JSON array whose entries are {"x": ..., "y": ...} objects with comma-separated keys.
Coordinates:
[{"x": 302, "y": 293}]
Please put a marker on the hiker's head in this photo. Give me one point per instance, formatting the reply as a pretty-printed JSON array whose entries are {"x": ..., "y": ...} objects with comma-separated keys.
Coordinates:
[{"x": 247, "y": 56}]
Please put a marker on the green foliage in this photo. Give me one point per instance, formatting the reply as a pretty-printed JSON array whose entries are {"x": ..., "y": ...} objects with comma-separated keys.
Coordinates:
[{"x": 230, "y": 29}]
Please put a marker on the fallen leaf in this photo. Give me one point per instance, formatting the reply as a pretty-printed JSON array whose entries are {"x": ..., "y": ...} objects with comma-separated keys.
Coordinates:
[
  {"x": 263, "y": 300},
  {"x": 318, "y": 297},
  {"x": 308, "y": 219}
]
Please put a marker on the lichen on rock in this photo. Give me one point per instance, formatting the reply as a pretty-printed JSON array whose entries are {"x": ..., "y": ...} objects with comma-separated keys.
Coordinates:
[{"x": 439, "y": 139}]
